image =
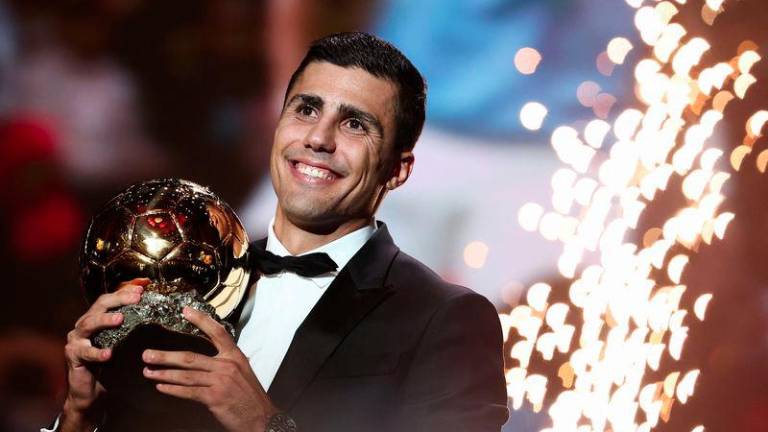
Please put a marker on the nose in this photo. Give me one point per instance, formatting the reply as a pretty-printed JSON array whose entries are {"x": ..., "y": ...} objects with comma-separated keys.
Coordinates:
[{"x": 321, "y": 137}]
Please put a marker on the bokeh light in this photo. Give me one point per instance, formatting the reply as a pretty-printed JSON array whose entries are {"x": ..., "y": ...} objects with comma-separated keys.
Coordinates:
[{"x": 527, "y": 60}]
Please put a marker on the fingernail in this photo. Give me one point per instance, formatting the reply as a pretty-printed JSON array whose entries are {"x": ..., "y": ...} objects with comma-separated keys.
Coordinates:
[
  {"x": 138, "y": 289},
  {"x": 148, "y": 371},
  {"x": 105, "y": 354},
  {"x": 148, "y": 355},
  {"x": 116, "y": 318},
  {"x": 185, "y": 311}
]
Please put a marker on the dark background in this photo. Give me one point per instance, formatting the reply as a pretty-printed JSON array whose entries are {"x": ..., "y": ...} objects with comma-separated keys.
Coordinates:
[{"x": 191, "y": 88}]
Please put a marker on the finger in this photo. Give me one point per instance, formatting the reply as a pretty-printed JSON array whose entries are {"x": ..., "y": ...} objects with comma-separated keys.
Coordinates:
[
  {"x": 180, "y": 359},
  {"x": 84, "y": 353},
  {"x": 183, "y": 392},
  {"x": 180, "y": 377},
  {"x": 220, "y": 337},
  {"x": 92, "y": 322},
  {"x": 128, "y": 294}
]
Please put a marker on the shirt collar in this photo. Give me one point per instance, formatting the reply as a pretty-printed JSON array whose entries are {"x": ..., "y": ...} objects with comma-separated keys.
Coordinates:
[{"x": 340, "y": 250}]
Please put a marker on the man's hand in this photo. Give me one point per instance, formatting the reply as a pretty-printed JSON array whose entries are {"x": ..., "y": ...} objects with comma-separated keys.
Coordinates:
[
  {"x": 224, "y": 383},
  {"x": 84, "y": 390}
]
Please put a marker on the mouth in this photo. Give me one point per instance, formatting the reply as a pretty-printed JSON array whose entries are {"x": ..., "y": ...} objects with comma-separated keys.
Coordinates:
[{"x": 313, "y": 173}]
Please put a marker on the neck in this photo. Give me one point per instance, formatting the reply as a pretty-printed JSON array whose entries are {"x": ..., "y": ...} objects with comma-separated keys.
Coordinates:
[{"x": 298, "y": 239}]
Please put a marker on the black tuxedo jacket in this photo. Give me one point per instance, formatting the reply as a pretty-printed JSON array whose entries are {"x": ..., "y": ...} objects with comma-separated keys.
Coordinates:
[{"x": 390, "y": 346}]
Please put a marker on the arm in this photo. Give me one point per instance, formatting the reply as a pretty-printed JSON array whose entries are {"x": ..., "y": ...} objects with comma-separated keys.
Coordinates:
[{"x": 456, "y": 380}]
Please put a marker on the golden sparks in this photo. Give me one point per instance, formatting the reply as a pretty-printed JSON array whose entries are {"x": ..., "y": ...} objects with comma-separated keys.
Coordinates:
[
  {"x": 627, "y": 313},
  {"x": 618, "y": 48},
  {"x": 532, "y": 115},
  {"x": 756, "y": 122},
  {"x": 529, "y": 215}
]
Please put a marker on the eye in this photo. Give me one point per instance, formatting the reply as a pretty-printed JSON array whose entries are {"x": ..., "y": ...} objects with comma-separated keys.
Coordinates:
[
  {"x": 306, "y": 110},
  {"x": 356, "y": 124}
]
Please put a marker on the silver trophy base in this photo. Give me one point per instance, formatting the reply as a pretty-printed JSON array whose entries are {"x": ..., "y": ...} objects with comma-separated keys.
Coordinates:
[
  {"x": 159, "y": 309},
  {"x": 156, "y": 322}
]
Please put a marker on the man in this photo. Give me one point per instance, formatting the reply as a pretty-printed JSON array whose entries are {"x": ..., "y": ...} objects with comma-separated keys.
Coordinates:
[
  {"x": 380, "y": 343},
  {"x": 473, "y": 121}
]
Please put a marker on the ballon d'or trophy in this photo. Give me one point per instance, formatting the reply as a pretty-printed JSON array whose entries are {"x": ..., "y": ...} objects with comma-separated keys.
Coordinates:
[{"x": 193, "y": 248}]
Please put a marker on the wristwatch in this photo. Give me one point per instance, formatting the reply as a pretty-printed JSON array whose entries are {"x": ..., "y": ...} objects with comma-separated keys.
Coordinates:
[{"x": 281, "y": 422}]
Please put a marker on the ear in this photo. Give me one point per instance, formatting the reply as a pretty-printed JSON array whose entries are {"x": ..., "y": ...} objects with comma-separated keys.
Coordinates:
[{"x": 401, "y": 170}]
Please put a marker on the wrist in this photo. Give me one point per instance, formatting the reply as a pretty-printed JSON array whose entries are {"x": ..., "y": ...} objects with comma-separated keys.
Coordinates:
[
  {"x": 74, "y": 419},
  {"x": 262, "y": 421}
]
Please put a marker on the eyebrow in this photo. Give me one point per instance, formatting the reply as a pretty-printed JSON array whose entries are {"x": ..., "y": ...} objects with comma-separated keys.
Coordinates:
[
  {"x": 345, "y": 110},
  {"x": 309, "y": 99}
]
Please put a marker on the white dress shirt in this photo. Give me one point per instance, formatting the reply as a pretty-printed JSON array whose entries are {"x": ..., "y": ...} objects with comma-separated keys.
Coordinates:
[{"x": 277, "y": 304}]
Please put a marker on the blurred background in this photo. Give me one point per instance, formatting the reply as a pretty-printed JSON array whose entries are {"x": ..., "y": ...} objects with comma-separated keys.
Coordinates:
[{"x": 98, "y": 94}]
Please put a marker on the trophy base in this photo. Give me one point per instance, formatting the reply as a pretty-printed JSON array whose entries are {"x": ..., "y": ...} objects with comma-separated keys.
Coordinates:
[
  {"x": 155, "y": 322},
  {"x": 161, "y": 309},
  {"x": 133, "y": 401}
]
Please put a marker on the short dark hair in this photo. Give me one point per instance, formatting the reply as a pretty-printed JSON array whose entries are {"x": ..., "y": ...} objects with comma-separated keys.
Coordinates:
[{"x": 381, "y": 59}]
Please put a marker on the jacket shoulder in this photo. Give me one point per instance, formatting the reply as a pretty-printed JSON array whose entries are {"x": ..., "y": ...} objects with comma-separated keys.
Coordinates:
[
  {"x": 412, "y": 278},
  {"x": 450, "y": 328}
]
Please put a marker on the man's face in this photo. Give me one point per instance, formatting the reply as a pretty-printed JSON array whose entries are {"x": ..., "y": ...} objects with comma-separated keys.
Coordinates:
[{"x": 332, "y": 154}]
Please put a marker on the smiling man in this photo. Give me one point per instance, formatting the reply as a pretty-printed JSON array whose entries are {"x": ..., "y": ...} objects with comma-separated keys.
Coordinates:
[
  {"x": 341, "y": 331},
  {"x": 332, "y": 160}
]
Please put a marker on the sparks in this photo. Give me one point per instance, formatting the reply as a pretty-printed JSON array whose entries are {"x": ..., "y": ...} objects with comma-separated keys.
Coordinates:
[{"x": 627, "y": 306}]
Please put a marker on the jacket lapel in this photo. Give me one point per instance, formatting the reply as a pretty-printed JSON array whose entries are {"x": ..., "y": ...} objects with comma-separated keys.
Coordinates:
[{"x": 357, "y": 289}]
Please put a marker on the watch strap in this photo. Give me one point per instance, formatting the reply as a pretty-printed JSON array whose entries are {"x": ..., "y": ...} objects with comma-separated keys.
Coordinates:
[{"x": 281, "y": 422}]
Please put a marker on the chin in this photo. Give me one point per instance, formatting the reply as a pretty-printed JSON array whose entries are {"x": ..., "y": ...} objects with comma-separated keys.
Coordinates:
[{"x": 303, "y": 212}]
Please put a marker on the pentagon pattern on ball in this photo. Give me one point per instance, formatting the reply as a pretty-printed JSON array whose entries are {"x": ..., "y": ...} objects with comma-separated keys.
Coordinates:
[
  {"x": 155, "y": 234},
  {"x": 129, "y": 265},
  {"x": 174, "y": 232},
  {"x": 200, "y": 219},
  {"x": 152, "y": 195},
  {"x": 192, "y": 262},
  {"x": 109, "y": 234}
]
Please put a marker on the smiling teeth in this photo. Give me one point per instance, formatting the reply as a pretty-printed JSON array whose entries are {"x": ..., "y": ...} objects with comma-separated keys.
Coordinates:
[{"x": 314, "y": 171}]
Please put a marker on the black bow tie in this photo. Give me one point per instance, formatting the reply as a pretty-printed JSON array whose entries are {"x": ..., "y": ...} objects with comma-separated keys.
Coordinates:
[{"x": 309, "y": 265}]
